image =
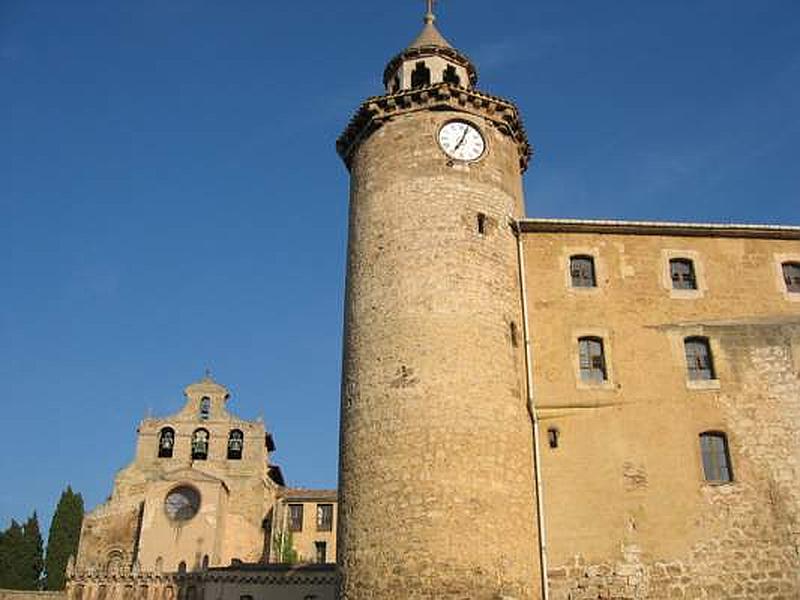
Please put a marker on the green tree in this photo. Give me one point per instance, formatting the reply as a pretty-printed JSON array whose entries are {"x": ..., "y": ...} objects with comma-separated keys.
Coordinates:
[
  {"x": 11, "y": 548},
  {"x": 65, "y": 531},
  {"x": 3, "y": 559},
  {"x": 283, "y": 545},
  {"x": 31, "y": 560}
]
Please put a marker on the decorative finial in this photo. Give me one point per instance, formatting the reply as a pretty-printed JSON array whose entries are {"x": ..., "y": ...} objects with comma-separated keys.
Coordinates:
[
  {"x": 208, "y": 374},
  {"x": 429, "y": 16}
]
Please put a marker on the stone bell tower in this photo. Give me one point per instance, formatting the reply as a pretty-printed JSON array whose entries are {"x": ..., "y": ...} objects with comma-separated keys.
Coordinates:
[{"x": 436, "y": 468}]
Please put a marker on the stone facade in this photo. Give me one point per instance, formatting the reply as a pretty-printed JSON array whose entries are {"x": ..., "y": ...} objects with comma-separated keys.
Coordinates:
[
  {"x": 628, "y": 509},
  {"x": 236, "y": 582},
  {"x": 437, "y": 466},
  {"x": 237, "y": 492},
  {"x": 313, "y": 535},
  {"x": 436, "y": 437},
  {"x": 31, "y": 595}
]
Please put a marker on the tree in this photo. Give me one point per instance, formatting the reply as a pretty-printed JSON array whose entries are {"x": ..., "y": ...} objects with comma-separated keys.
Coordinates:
[
  {"x": 31, "y": 560},
  {"x": 65, "y": 531},
  {"x": 11, "y": 546},
  {"x": 283, "y": 545},
  {"x": 3, "y": 560}
]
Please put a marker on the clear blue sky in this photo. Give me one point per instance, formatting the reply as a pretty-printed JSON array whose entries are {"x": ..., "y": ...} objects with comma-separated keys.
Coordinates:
[{"x": 170, "y": 197}]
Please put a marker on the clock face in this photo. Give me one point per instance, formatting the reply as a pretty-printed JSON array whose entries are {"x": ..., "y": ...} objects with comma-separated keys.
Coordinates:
[
  {"x": 182, "y": 503},
  {"x": 462, "y": 141}
]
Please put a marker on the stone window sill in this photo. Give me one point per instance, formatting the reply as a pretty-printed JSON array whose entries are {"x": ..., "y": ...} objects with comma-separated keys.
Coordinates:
[
  {"x": 703, "y": 384},
  {"x": 685, "y": 294},
  {"x": 595, "y": 385}
]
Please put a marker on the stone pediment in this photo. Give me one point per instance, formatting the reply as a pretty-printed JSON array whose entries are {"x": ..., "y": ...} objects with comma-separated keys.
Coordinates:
[{"x": 192, "y": 475}]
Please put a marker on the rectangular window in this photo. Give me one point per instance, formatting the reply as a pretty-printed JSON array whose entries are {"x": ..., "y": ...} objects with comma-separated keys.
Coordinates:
[
  {"x": 716, "y": 459},
  {"x": 481, "y": 223},
  {"x": 324, "y": 517},
  {"x": 699, "y": 364},
  {"x": 581, "y": 270},
  {"x": 791, "y": 275},
  {"x": 681, "y": 271},
  {"x": 321, "y": 550},
  {"x": 592, "y": 359},
  {"x": 295, "y": 517}
]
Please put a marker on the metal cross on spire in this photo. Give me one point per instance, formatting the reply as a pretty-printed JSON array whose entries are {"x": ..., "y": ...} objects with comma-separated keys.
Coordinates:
[{"x": 429, "y": 16}]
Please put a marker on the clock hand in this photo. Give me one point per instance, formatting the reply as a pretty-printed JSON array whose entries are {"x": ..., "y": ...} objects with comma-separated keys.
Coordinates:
[{"x": 463, "y": 137}]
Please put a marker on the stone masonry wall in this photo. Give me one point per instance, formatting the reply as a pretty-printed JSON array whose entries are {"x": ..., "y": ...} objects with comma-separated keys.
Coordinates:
[
  {"x": 436, "y": 487},
  {"x": 31, "y": 595},
  {"x": 755, "y": 550},
  {"x": 630, "y": 516}
]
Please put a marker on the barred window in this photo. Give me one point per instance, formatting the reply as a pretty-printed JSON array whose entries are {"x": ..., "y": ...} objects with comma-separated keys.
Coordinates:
[
  {"x": 581, "y": 269},
  {"x": 791, "y": 275},
  {"x": 592, "y": 359},
  {"x": 295, "y": 517},
  {"x": 324, "y": 517},
  {"x": 716, "y": 457},
  {"x": 699, "y": 363},
  {"x": 681, "y": 271}
]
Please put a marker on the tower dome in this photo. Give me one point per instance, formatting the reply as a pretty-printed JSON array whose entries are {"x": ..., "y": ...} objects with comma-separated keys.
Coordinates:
[{"x": 430, "y": 59}]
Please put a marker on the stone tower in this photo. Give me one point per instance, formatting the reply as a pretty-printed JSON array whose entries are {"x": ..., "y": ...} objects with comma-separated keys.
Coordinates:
[{"x": 436, "y": 465}]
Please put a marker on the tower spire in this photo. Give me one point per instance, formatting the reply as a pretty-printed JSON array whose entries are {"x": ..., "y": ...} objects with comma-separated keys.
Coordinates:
[{"x": 430, "y": 17}]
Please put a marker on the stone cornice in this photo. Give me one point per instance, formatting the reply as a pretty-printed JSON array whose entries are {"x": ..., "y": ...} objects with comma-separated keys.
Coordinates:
[
  {"x": 414, "y": 53},
  {"x": 720, "y": 230},
  {"x": 378, "y": 109}
]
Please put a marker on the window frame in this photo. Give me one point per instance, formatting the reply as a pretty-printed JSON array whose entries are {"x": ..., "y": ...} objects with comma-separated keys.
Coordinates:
[
  {"x": 698, "y": 267},
  {"x": 691, "y": 271},
  {"x": 787, "y": 285},
  {"x": 321, "y": 508},
  {"x": 589, "y": 341},
  {"x": 600, "y": 268},
  {"x": 705, "y": 342},
  {"x": 712, "y": 475},
  {"x": 323, "y": 546},
  {"x": 592, "y": 265},
  {"x": 293, "y": 525}
]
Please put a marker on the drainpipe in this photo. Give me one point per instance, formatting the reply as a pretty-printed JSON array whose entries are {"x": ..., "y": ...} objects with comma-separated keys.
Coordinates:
[{"x": 537, "y": 457}]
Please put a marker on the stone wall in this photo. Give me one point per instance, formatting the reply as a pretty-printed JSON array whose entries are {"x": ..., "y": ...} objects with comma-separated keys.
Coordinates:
[
  {"x": 436, "y": 486},
  {"x": 236, "y": 493},
  {"x": 630, "y": 515},
  {"x": 259, "y": 581},
  {"x": 31, "y": 595}
]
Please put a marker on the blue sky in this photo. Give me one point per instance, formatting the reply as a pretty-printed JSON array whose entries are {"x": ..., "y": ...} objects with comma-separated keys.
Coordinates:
[{"x": 170, "y": 197}]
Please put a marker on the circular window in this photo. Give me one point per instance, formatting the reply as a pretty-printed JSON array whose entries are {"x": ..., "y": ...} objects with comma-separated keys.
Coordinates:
[{"x": 182, "y": 503}]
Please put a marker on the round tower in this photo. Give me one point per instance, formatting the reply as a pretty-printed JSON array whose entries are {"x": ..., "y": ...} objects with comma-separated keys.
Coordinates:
[{"x": 436, "y": 485}]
